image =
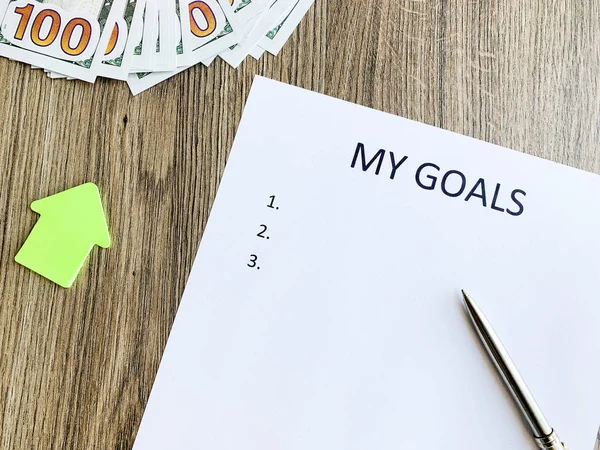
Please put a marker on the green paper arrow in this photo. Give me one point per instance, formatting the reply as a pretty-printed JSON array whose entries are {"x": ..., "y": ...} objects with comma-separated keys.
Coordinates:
[{"x": 70, "y": 224}]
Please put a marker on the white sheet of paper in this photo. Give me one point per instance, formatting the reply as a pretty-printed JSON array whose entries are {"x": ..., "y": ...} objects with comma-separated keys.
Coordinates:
[{"x": 352, "y": 334}]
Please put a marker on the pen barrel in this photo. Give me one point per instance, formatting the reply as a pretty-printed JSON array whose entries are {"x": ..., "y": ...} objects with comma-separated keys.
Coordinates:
[{"x": 551, "y": 442}]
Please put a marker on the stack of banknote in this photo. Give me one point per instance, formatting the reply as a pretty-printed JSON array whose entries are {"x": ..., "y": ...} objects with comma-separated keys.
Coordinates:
[{"x": 142, "y": 42}]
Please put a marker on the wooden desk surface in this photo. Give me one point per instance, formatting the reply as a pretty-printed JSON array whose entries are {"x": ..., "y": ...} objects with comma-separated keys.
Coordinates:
[{"x": 77, "y": 365}]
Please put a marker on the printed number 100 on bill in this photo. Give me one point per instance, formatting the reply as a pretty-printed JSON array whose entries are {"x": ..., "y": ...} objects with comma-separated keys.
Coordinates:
[{"x": 51, "y": 30}]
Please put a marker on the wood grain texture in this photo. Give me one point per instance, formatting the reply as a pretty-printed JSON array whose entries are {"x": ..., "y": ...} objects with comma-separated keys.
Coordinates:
[{"x": 77, "y": 365}]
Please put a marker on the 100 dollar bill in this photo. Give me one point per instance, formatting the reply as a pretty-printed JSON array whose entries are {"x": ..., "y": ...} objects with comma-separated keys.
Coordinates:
[
  {"x": 116, "y": 59},
  {"x": 165, "y": 59},
  {"x": 247, "y": 9},
  {"x": 207, "y": 28},
  {"x": 62, "y": 35},
  {"x": 274, "y": 40}
]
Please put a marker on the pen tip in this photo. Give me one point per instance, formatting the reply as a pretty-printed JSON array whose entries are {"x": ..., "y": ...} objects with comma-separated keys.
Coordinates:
[
  {"x": 466, "y": 299},
  {"x": 471, "y": 306}
]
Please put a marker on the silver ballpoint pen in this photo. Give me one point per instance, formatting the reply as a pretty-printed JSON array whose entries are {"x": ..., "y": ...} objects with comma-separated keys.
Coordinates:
[{"x": 543, "y": 434}]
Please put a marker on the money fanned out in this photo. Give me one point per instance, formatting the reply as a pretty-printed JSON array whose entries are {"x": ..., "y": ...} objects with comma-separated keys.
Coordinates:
[{"x": 142, "y": 42}]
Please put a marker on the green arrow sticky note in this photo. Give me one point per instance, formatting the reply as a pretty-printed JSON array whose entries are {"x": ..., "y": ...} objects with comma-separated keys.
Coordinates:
[{"x": 70, "y": 224}]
